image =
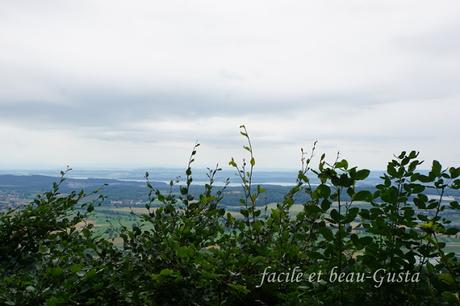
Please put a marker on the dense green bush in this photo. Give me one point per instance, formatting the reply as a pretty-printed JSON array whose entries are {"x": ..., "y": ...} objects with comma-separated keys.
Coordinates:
[{"x": 191, "y": 251}]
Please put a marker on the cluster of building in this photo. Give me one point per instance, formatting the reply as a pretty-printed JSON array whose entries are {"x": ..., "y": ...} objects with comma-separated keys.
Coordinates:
[{"x": 11, "y": 199}]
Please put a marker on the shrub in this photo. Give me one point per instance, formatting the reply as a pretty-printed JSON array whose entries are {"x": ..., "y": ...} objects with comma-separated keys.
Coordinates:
[{"x": 191, "y": 251}]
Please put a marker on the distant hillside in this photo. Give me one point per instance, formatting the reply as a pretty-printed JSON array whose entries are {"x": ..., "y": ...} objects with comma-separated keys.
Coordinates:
[{"x": 134, "y": 192}]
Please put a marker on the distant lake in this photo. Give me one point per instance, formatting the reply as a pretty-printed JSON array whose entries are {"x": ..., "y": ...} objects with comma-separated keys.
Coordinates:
[{"x": 263, "y": 177}]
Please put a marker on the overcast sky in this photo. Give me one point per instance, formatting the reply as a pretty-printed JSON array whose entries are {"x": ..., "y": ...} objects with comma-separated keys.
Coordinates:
[{"x": 134, "y": 83}]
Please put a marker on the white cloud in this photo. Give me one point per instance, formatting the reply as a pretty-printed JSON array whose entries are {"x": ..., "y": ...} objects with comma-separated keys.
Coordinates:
[{"x": 129, "y": 82}]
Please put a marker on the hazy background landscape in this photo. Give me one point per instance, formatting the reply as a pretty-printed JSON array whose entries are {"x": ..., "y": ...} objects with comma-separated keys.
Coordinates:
[{"x": 126, "y": 191}]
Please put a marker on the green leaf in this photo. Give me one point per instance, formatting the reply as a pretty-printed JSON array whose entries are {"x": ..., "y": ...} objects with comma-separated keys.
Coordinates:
[
  {"x": 91, "y": 274},
  {"x": 185, "y": 252},
  {"x": 454, "y": 205},
  {"x": 361, "y": 174},
  {"x": 391, "y": 170},
  {"x": 362, "y": 195},
  {"x": 451, "y": 231},
  {"x": 447, "y": 278},
  {"x": 325, "y": 204},
  {"x": 167, "y": 272},
  {"x": 417, "y": 188},
  {"x": 323, "y": 191},
  {"x": 244, "y": 212},
  {"x": 55, "y": 271},
  {"x": 90, "y": 207},
  {"x": 454, "y": 172},
  {"x": 327, "y": 233},
  {"x": 353, "y": 212},
  {"x": 390, "y": 195},
  {"x": 436, "y": 168},
  {"x": 312, "y": 209},
  {"x": 413, "y": 154},
  {"x": 343, "y": 164},
  {"x": 419, "y": 203},
  {"x": 335, "y": 215},
  {"x": 232, "y": 163},
  {"x": 260, "y": 189},
  {"x": 75, "y": 268}
]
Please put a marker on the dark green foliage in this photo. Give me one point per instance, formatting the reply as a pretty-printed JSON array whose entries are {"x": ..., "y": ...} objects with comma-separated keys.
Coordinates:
[{"x": 191, "y": 251}]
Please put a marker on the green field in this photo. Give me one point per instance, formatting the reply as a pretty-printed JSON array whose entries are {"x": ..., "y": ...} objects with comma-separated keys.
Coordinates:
[{"x": 106, "y": 220}]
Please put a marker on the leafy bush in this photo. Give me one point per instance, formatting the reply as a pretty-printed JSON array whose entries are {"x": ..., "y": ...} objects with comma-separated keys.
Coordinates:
[{"x": 191, "y": 251}]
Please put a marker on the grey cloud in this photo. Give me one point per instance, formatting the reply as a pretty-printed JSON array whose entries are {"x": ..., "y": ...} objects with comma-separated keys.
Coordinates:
[{"x": 114, "y": 108}]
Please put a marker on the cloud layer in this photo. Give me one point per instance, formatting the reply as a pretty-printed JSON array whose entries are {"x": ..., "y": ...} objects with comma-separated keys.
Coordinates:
[{"x": 98, "y": 83}]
